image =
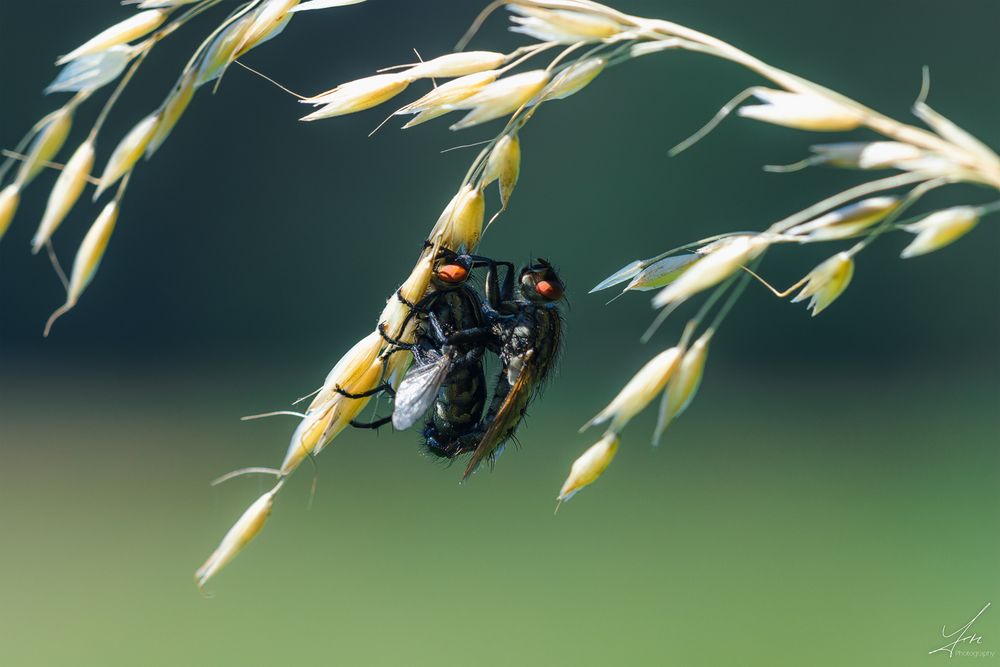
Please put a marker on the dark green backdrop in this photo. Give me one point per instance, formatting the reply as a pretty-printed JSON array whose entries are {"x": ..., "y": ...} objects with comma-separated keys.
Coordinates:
[{"x": 830, "y": 499}]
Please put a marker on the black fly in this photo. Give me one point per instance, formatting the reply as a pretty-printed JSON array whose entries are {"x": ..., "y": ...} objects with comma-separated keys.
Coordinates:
[
  {"x": 525, "y": 327},
  {"x": 518, "y": 321}
]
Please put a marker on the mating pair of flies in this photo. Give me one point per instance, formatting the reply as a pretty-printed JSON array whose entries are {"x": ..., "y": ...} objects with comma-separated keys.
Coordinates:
[{"x": 516, "y": 318}]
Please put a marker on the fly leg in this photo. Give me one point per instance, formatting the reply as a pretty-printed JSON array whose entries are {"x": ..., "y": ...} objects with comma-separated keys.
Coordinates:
[
  {"x": 375, "y": 425},
  {"x": 385, "y": 387}
]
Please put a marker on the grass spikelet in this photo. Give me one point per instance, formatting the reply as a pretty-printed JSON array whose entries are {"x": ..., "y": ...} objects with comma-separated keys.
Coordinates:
[
  {"x": 504, "y": 165},
  {"x": 501, "y": 98},
  {"x": 173, "y": 108},
  {"x": 357, "y": 95},
  {"x": 827, "y": 282},
  {"x": 590, "y": 466},
  {"x": 131, "y": 28},
  {"x": 10, "y": 198},
  {"x": 457, "y": 65},
  {"x": 127, "y": 153},
  {"x": 940, "y": 229},
  {"x": 717, "y": 265},
  {"x": 88, "y": 259},
  {"x": 47, "y": 143},
  {"x": 640, "y": 391},
  {"x": 65, "y": 193},
  {"x": 683, "y": 385},
  {"x": 246, "y": 528},
  {"x": 802, "y": 111}
]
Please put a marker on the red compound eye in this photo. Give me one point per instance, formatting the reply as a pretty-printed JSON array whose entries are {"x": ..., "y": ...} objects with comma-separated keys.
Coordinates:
[
  {"x": 452, "y": 273},
  {"x": 550, "y": 290}
]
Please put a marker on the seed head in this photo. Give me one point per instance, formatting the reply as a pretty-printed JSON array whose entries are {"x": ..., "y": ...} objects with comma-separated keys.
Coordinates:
[
  {"x": 868, "y": 155},
  {"x": 452, "y": 92},
  {"x": 131, "y": 28},
  {"x": 10, "y": 197},
  {"x": 847, "y": 221},
  {"x": 93, "y": 71},
  {"x": 173, "y": 108},
  {"x": 239, "y": 536},
  {"x": 723, "y": 260},
  {"x": 91, "y": 251},
  {"x": 65, "y": 193},
  {"x": 574, "y": 78},
  {"x": 346, "y": 371},
  {"x": 221, "y": 52},
  {"x": 504, "y": 165},
  {"x": 127, "y": 153},
  {"x": 802, "y": 111},
  {"x": 589, "y": 467},
  {"x": 461, "y": 222},
  {"x": 827, "y": 282},
  {"x": 413, "y": 290},
  {"x": 46, "y": 144},
  {"x": 501, "y": 98},
  {"x": 457, "y": 65},
  {"x": 268, "y": 20},
  {"x": 357, "y": 95},
  {"x": 683, "y": 385},
  {"x": 662, "y": 273},
  {"x": 940, "y": 229},
  {"x": 560, "y": 25},
  {"x": 639, "y": 391}
]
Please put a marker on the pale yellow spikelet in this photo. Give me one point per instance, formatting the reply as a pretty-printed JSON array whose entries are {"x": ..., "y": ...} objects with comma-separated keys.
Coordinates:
[
  {"x": 325, "y": 422},
  {"x": 350, "y": 366},
  {"x": 940, "y": 229},
  {"x": 457, "y": 65},
  {"x": 827, "y": 282},
  {"x": 246, "y": 528},
  {"x": 868, "y": 155},
  {"x": 722, "y": 261},
  {"x": 10, "y": 197},
  {"x": 221, "y": 52},
  {"x": 640, "y": 391},
  {"x": 683, "y": 385},
  {"x": 590, "y": 466},
  {"x": 127, "y": 153},
  {"x": 504, "y": 165},
  {"x": 91, "y": 251},
  {"x": 47, "y": 143},
  {"x": 269, "y": 18},
  {"x": 560, "y": 25},
  {"x": 467, "y": 221},
  {"x": 574, "y": 78},
  {"x": 308, "y": 434},
  {"x": 461, "y": 222},
  {"x": 501, "y": 98},
  {"x": 416, "y": 284},
  {"x": 131, "y": 28},
  {"x": 438, "y": 102},
  {"x": 173, "y": 108},
  {"x": 88, "y": 259},
  {"x": 349, "y": 408},
  {"x": 65, "y": 193},
  {"x": 802, "y": 111},
  {"x": 662, "y": 273},
  {"x": 357, "y": 95},
  {"x": 847, "y": 221}
]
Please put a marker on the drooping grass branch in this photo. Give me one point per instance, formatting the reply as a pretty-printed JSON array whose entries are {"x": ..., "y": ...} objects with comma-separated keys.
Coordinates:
[{"x": 580, "y": 40}]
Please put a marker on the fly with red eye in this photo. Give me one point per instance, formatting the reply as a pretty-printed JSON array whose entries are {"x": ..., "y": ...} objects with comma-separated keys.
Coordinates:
[{"x": 518, "y": 321}]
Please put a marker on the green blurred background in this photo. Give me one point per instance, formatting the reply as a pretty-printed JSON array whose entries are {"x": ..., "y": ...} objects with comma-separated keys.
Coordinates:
[{"x": 830, "y": 499}]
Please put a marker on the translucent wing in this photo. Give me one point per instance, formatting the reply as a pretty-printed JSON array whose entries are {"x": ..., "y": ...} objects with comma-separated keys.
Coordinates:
[
  {"x": 418, "y": 390},
  {"x": 506, "y": 420}
]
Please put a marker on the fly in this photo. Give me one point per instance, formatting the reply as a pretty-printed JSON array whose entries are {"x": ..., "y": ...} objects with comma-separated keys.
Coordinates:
[{"x": 518, "y": 321}]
